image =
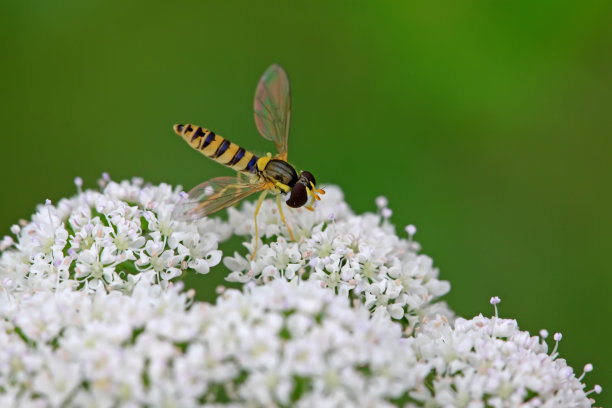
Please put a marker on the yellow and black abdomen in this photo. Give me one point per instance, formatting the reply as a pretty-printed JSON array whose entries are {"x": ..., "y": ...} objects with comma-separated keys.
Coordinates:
[{"x": 218, "y": 148}]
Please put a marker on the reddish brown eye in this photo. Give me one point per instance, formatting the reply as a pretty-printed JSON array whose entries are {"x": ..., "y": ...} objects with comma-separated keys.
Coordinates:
[
  {"x": 298, "y": 196},
  {"x": 308, "y": 176}
]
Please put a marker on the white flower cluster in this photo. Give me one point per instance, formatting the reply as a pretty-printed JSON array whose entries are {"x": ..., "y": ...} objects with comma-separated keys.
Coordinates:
[
  {"x": 107, "y": 239},
  {"x": 490, "y": 362},
  {"x": 359, "y": 256},
  {"x": 273, "y": 345},
  {"x": 91, "y": 316}
]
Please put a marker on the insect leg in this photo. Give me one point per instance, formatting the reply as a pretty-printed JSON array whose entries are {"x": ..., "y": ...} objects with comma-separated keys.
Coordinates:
[
  {"x": 280, "y": 210},
  {"x": 261, "y": 198}
]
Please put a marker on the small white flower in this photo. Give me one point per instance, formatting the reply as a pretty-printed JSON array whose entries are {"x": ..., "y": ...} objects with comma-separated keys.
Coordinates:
[
  {"x": 6, "y": 242},
  {"x": 78, "y": 182},
  {"x": 381, "y": 202}
]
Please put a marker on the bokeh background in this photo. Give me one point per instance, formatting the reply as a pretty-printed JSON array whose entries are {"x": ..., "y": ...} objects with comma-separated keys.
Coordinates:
[{"x": 486, "y": 124}]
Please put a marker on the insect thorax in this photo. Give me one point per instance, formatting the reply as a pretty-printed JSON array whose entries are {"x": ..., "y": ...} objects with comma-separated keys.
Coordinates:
[{"x": 281, "y": 171}]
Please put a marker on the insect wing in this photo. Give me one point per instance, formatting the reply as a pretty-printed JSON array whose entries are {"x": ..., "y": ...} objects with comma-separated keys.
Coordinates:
[
  {"x": 212, "y": 196},
  {"x": 272, "y": 108}
]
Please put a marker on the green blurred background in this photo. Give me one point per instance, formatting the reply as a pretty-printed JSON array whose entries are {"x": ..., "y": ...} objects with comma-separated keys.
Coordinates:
[{"x": 486, "y": 124}]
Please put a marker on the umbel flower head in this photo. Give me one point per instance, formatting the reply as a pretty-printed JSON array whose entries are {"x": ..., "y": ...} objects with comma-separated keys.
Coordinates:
[
  {"x": 348, "y": 315},
  {"x": 359, "y": 256},
  {"x": 489, "y": 361},
  {"x": 106, "y": 240}
]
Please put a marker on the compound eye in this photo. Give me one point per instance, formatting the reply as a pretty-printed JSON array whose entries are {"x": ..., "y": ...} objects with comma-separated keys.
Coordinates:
[
  {"x": 308, "y": 176},
  {"x": 298, "y": 196}
]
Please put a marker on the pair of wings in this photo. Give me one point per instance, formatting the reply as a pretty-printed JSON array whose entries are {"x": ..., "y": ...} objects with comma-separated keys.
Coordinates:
[{"x": 272, "y": 110}]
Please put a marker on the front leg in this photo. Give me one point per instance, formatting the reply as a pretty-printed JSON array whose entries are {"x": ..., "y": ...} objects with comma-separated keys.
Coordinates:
[{"x": 280, "y": 210}]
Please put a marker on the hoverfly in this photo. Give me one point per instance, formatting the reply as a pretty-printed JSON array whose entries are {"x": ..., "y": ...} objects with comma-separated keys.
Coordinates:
[{"x": 266, "y": 174}]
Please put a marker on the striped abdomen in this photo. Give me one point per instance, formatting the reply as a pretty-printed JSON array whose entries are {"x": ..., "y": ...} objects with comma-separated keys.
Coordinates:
[{"x": 218, "y": 148}]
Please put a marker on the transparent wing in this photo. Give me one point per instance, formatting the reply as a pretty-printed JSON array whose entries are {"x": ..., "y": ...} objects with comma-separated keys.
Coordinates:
[
  {"x": 272, "y": 108},
  {"x": 212, "y": 196}
]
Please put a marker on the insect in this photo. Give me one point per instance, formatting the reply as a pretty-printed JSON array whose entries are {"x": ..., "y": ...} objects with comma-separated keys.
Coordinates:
[{"x": 266, "y": 174}]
